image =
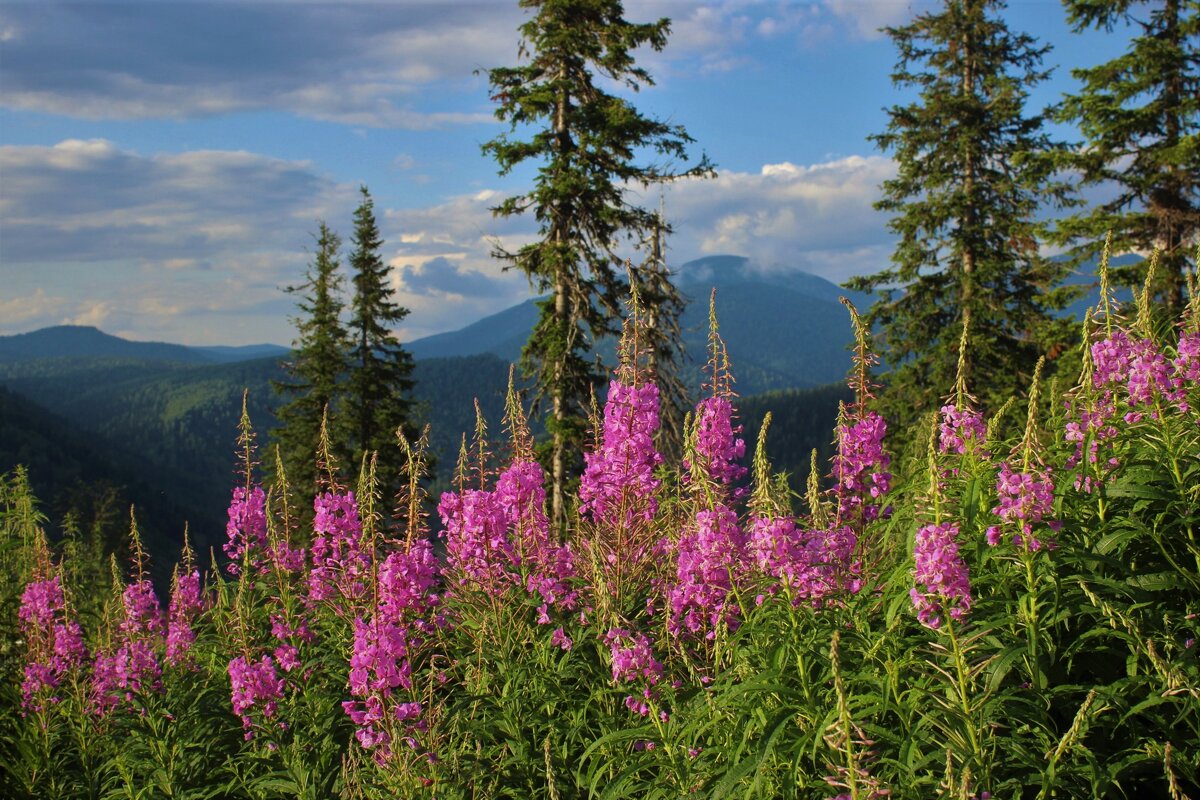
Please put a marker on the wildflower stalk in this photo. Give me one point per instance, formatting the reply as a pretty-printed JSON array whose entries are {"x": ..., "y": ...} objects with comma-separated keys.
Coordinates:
[{"x": 962, "y": 685}]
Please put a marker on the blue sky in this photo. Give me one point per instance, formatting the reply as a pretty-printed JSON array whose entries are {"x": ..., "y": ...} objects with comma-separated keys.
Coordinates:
[{"x": 163, "y": 164}]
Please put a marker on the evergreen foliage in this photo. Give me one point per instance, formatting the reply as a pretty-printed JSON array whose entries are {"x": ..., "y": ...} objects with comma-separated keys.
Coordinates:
[
  {"x": 379, "y": 390},
  {"x": 586, "y": 141},
  {"x": 1140, "y": 117},
  {"x": 318, "y": 366},
  {"x": 663, "y": 338},
  {"x": 969, "y": 186}
]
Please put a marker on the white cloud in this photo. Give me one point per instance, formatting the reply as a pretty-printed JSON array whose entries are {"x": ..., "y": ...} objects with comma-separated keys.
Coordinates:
[
  {"x": 786, "y": 216},
  {"x": 195, "y": 247},
  {"x": 94, "y": 314},
  {"x": 35, "y": 309},
  {"x": 865, "y": 19}
]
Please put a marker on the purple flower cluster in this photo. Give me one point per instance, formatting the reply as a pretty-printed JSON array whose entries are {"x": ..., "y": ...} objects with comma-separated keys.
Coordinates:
[
  {"x": 54, "y": 643},
  {"x": 549, "y": 567},
  {"x": 290, "y": 635},
  {"x": 1026, "y": 498},
  {"x": 960, "y": 429},
  {"x": 860, "y": 469},
  {"x": 187, "y": 601},
  {"x": 718, "y": 447},
  {"x": 246, "y": 532},
  {"x": 1091, "y": 431},
  {"x": 407, "y": 580},
  {"x": 495, "y": 537},
  {"x": 1187, "y": 362},
  {"x": 1143, "y": 370},
  {"x": 380, "y": 662},
  {"x": 812, "y": 564},
  {"x": 254, "y": 684},
  {"x": 134, "y": 666},
  {"x": 709, "y": 562},
  {"x": 633, "y": 661},
  {"x": 943, "y": 574},
  {"x": 478, "y": 550},
  {"x": 618, "y": 483},
  {"x": 341, "y": 567}
]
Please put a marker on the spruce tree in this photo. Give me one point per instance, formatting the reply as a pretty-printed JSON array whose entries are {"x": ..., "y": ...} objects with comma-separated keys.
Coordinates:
[
  {"x": 1140, "y": 116},
  {"x": 971, "y": 177},
  {"x": 663, "y": 305},
  {"x": 379, "y": 390},
  {"x": 317, "y": 366},
  {"x": 586, "y": 142}
]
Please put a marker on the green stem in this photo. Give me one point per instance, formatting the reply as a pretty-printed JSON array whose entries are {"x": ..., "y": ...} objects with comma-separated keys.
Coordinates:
[
  {"x": 960, "y": 669},
  {"x": 1031, "y": 620}
]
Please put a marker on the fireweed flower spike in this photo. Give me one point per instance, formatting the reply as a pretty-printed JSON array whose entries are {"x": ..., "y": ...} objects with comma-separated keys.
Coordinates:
[
  {"x": 860, "y": 467},
  {"x": 246, "y": 532},
  {"x": 710, "y": 561},
  {"x": 187, "y": 602},
  {"x": 633, "y": 661},
  {"x": 1026, "y": 495},
  {"x": 618, "y": 486},
  {"x": 54, "y": 645},
  {"x": 341, "y": 567},
  {"x": 133, "y": 667},
  {"x": 940, "y": 574},
  {"x": 717, "y": 447}
]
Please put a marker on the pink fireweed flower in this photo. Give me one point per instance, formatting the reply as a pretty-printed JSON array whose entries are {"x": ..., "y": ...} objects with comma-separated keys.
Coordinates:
[
  {"x": 407, "y": 583},
  {"x": 341, "y": 568},
  {"x": 1026, "y": 498},
  {"x": 1150, "y": 375},
  {"x": 633, "y": 661},
  {"x": 560, "y": 639},
  {"x": 478, "y": 550},
  {"x": 384, "y": 646},
  {"x": 1138, "y": 367},
  {"x": 618, "y": 484},
  {"x": 1187, "y": 362},
  {"x": 860, "y": 469},
  {"x": 187, "y": 601},
  {"x": 133, "y": 666},
  {"x": 710, "y": 558},
  {"x": 943, "y": 574},
  {"x": 53, "y": 642},
  {"x": 254, "y": 685},
  {"x": 246, "y": 531},
  {"x": 549, "y": 567},
  {"x": 717, "y": 444},
  {"x": 960, "y": 429},
  {"x": 812, "y": 564},
  {"x": 1111, "y": 359}
]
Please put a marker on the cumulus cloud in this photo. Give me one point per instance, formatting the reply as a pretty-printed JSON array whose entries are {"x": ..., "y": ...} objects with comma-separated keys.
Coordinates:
[
  {"x": 412, "y": 65},
  {"x": 362, "y": 64},
  {"x": 196, "y": 246},
  {"x": 91, "y": 233},
  {"x": 818, "y": 217},
  {"x": 92, "y": 201}
]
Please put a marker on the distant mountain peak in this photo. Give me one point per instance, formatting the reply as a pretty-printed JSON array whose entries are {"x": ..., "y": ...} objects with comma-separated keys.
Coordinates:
[{"x": 86, "y": 341}]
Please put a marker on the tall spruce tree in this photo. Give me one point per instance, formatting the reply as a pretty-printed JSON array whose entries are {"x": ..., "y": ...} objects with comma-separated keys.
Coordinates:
[
  {"x": 586, "y": 141},
  {"x": 1140, "y": 116},
  {"x": 317, "y": 366},
  {"x": 971, "y": 177},
  {"x": 379, "y": 390}
]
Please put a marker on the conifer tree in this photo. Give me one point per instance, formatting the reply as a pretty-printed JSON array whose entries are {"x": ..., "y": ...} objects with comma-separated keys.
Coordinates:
[
  {"x": 971, "y": 176},
  {"x": 664, "y": 305},
  {"x": 586, "y": 141},
  {"x": 317, "y": 366},
  {"x": 379, "y": 390},
  {"x": 1140, "y": 116}
]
